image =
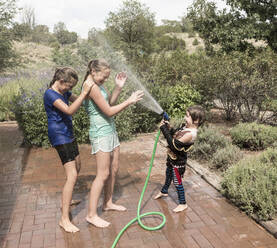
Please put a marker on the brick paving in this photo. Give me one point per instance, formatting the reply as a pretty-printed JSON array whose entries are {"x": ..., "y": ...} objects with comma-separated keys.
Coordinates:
[{"x": 31, "y": 181}]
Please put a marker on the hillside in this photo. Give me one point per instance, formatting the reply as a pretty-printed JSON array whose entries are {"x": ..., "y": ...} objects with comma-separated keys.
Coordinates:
[{"x": 35, "y": 56}]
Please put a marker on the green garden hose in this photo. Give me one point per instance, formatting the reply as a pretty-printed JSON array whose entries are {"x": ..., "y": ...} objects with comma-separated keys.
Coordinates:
[{"x": 141, "y": 197}]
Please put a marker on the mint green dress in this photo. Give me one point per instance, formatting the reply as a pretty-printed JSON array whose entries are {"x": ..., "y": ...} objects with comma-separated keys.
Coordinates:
[{"x": 102, "y": 131}]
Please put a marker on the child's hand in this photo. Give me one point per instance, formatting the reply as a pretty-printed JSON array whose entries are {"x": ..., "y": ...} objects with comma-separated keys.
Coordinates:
[
  {"x": 88, "y": 84},
  {"x": 135, "y": 97},
  {"x": 163, "y": 122},
  {"x": 120, "y": 79}
]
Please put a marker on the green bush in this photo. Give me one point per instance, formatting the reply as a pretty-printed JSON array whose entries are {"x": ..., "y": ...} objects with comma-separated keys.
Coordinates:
[
  {"x": 208, "y": 142},
  {"x": 253, "y": 136},
  {"x": 180, "y": 97},
  {"x": 252, "y": 185},
  {"x": 269, "y": 156},
  {"x": 225, "y": 157},
  {"x": 31, "y": 117},
  {"x": 195, "y": 42},
  {"x": 80, "y": 122}
]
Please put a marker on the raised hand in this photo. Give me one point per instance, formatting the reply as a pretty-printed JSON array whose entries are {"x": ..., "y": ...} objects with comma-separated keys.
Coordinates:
[
  {"x": 136, "y": 96},
  {"x": 120, "y": 79},
  {"x": 88, "y": 84}
]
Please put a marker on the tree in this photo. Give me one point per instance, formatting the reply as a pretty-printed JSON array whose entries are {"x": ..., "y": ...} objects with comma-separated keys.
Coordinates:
[
  {"x": 28, "y": 17},
  {"x": 20, "y": 31},
  {"x": 63, "y": 35},
  {"x": 8, "y": 57},
  {"x": 229, "y": 30},
  {"x": 264, "y": 13},
  {"x": 232, "y": 29},
  {"x": 93, "y": 34},
  {"x": 131, "y": 28}
]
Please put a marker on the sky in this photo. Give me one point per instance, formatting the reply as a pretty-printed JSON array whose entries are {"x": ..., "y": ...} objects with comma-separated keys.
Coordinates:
[{"x": 81, "y": 15}]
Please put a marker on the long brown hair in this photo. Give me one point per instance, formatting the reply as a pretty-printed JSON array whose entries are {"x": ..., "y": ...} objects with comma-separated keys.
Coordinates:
[
  {"x": 96, "y": 65},
  {"x": 65, "y": 74}
]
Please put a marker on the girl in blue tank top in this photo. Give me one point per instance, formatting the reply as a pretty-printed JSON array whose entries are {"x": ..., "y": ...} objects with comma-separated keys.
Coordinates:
[
  {"x": 60, "y": 131},
  {"x": 101, "y": 108}
]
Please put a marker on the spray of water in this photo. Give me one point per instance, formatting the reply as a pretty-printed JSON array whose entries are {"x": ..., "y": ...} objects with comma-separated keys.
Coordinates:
[{"x": 148, "y": 101}]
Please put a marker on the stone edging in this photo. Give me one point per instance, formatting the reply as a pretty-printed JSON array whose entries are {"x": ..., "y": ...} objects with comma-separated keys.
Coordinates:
[{"x": 214, "y": 180}]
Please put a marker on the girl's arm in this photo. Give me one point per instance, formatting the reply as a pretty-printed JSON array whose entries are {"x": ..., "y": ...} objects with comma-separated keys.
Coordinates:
[
  {"x": 115, "y": 94},
  {"x": 70, "y": 110},
  {"x": 108, "y": 110},
  {"x": 120, "y": 80},
  {"x": 77, "y": 101}
]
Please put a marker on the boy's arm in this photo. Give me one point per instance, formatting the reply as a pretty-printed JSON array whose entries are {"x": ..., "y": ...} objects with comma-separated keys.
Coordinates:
[{"x": 174, "y": 144}]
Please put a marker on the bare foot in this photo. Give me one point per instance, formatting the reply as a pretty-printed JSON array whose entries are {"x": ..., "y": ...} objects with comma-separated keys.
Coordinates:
[
  {"x": 114, "y": 207},
  {"x": 180, "y": 207},
  {"x": 159, "y": 195},
  {"x": 68, "y": 226},
  {"x": 97, "y": 221}
]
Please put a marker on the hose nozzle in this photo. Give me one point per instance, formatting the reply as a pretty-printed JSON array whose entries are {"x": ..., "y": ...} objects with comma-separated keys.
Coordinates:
[{"x": 165, "y": 116}]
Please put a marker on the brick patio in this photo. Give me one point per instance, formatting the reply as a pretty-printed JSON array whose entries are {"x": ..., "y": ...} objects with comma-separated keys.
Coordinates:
[{"x": 31, "y": 181}]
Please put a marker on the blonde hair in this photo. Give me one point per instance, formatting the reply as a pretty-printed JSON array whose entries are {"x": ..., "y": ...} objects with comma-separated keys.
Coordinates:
[{"x": 65, "y": 74}]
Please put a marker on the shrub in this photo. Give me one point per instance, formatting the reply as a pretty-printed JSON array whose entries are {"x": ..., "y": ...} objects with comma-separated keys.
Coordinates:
[
  {"x": 195, "y": 42},
  {"x": 207, "y": 143},
  {"x": 223, "y": 158},
  {"x": 31, "y": 117},
  {"x": 269, "y": 156},
  {"x": 180, "y": 97},
  {"x": 80, "y": 122},
  {"x": 252, "y": 185},
  {"x": 253, "y": 136},
  {"x": 65, "y": 57}
]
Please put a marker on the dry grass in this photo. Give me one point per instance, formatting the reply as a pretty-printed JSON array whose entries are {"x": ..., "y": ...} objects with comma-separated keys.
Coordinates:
[{"x": 34, "y": 55}]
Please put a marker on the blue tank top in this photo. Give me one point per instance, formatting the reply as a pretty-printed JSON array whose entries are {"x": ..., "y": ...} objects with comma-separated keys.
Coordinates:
[
  {"x": 100, "y": 124},
  {"x": 60, "y": 130}
]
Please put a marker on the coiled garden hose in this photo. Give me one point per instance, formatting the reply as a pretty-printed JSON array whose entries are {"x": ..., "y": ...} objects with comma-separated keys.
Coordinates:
[{"x": 138, "y": 218}]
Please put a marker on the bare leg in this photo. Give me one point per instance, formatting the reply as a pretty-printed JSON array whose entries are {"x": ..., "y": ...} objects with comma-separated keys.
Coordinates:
[
  {"x": 103, "y": 163},
  {"x": 109, "y": 185},
  {"x": 78, "y": 168},
  {"x": 71, "y": 177}
]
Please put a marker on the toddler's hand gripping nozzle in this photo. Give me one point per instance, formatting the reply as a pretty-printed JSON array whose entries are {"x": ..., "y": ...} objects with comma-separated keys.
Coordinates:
[{"x": 165, "y": 116}]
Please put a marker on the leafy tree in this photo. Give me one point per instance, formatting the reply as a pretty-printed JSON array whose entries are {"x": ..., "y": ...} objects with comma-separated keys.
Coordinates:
[
  {"x": 93, "y": 34},
  {"x": 20, "y": 31},
  {"x": 232, "y": 29},
  {"x": 41, "y": 34},
  {"x": 264, "y": 14},
  {"x": 131, "y": 29},
  {"x": 229, "y": 30},
  {"x": 63, "y": 35},
  {"x": 7, "y": 55}
]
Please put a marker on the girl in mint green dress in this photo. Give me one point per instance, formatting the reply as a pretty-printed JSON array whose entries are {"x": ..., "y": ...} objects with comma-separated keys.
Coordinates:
[{"x": 101, "y": 108}]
